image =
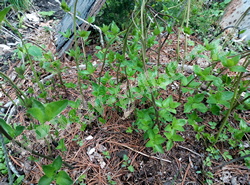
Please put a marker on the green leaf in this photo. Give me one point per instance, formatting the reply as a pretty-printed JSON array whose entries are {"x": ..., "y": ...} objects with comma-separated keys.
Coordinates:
[
  {"x": 38, "y": 114},
  {"x": 3, "y": 13},
  {"x": 49, "y": 171},
  {"x": 243, "y": 126},
  {"x": 64, "y": 6},
  {"x": 20, "y": 71},
  {"x": 215, "y": 109},
  {"x": 198, "y": 98},
  {"x": 54, "y": 108},
  {"x": 187, "y": 30},
  {"x": 156, "y": 31},
  {"x": 45, "y": 180},
  {"x": 200, "y": 107},
  {"x": 230, "y": 62},
  {"x": 114, "y": 28},
  {"x": 35, "y": 51},
  {"x": 131, "y": 168},
  {"x": 91, "y": 19},
  {"x": 177, "y": 137},
  {"x": 63, "y": 178},
  {"x": 178, "y": 124},
  {"x": 18, "y": 130},
  {"x": 48, "y": 13},
  {"x": 7, "y": 128},
  {"x": 238, "y": 69},
  {"x": 61, "y": 145},
  {"x": 42, "y": 130},
  {"x": 84, "y": 34},
  {"x": 66, "y": 34},
  {"x": 57, "y": 163},
  {"x": 187, "y": 107},
  {"x": 158, "y": 148},
  {"x": 169, "y": 145}
]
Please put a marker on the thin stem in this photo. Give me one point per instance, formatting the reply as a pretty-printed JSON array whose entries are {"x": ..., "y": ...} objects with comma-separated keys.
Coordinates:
[
  {"x": 29, "y": 58},
  {"x": 105, "y": 54},
  {"x": 20, "y": 94},
  {"x": 2, "y": 131},
  {"x": 6, "y": 159},
  {"x": 232, "y": 105},
  {"x": 77, "y": 56}
]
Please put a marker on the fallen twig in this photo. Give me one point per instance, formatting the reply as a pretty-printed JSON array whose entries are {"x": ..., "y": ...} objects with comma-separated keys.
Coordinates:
[
  {"x": 146, "y": 155},
  {"x": 189, "y": 150}
]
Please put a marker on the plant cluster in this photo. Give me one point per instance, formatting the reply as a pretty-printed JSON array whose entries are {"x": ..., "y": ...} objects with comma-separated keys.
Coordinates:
[
  {"x": 19, "y": 4},
  {"x": 3, "y": 167},
  {"x": 221, "y": 92}
]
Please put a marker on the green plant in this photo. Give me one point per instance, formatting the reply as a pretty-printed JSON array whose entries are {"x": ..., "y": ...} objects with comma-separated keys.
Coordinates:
[
  {"x": 20, "y": 4},
  {"x": 106, "y": 154},
  {"x": 110, "y": 181},
  {"x": 162, "y": 99},
  {"x": 47, "y": 14},
  {"x": 127, "y": 163},
  {"x": 52, "y": 173},
  {"x": 3, "y": 167}
]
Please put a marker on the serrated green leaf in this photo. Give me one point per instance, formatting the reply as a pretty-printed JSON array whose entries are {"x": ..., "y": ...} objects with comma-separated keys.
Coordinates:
[
  {"x": 159, "y": 139},
  {"x": 227, "y": 95},
  {"x": 63, "y": 178}
]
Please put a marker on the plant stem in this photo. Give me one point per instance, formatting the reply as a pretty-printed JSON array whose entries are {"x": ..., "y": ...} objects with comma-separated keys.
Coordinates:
[
  {"x": 2, "y": 131},
  {"x": 77, "y": 57},
  {"x": 6, "y": 159},
  {"x": 225, "y": 118},
  {"x": 19, "y": 93}
]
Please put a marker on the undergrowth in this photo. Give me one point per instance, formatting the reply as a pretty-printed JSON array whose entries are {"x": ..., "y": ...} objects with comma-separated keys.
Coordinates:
[{"x": 132, "y": 84}]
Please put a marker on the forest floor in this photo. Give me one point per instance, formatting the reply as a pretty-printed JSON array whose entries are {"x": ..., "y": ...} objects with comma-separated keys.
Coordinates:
[{"x": 97, "y": 152}]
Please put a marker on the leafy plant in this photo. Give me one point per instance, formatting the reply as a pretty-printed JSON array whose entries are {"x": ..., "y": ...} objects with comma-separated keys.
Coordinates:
[
  {"x": 46, "y": 112},
  {"x": 20, "y": 4},
  {"x": 52, "y": 173},
  {"x": 127, "y": 163},
  {"x": 162, "y": 100},
  {"x": 3, "y": 167}
]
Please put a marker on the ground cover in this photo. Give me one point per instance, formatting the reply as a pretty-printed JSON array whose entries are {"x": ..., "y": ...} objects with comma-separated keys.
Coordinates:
[{"x": 118, "y": 138}]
